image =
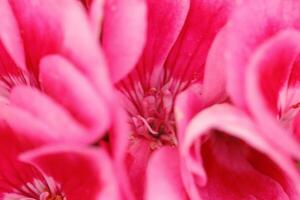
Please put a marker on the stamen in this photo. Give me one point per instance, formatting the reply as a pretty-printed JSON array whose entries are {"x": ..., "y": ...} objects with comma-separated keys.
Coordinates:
[
  {"x": 148, "y": 126},
  {"x": 37, "y": 190}
]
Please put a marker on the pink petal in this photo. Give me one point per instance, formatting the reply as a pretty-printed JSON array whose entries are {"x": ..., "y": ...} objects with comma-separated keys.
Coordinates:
[
  {"x": 58, "y": 77},
  {"x": 204, "y": 20},
  {"x": 231, "y": 160},
  {"x": 34, "y": 27},
  {"x": 272, "y": 61},
  {"x": 251, "y": 24},
  {"x": 10, "y": 35},
  {"x": 123, "y": 35},
  {"x": 96, "y": 9},
  {"x": 296, "y": 126},
  {"x": 163, "y": 176},
  {"x": 13, "y": 173},
  {"x": 137, "y": 162},
  {"x": 169, "y": 16},
  {"x": 118, "y": 141},
  {"x": 214, "y": 80},
  {"x": 187, "y": 105},
  {"x": 82, "y": 173},
  {"x": 46, "y": 112},
  {"x": 68, "y": 33}
]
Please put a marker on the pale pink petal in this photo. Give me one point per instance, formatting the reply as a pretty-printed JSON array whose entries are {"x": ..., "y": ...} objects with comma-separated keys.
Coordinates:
[
  {"x": 187, "y": 105},
  {"x": 96, "y": 10},
  {"x": 251, "y": 24},
  {"x": 58, "y": 77},
  {"x": 24, "y": 123},
  {"x": 118, "y": 142},
  {"x": 48, "y": 112},
  {"x": 226, "y": 144},
  {"x": 82, "y": 173},
  {"x": 296, "y": 126},
  {"x": 214, "y": 79},
  {"x": 123, "y": 35},
  {"x": 268, "y": 71},
  {"x": 163, "y": 176},
  {"x": 10, "y": 35}
]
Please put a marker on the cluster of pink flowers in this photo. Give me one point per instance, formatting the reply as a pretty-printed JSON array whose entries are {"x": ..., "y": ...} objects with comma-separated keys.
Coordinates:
[{"x": 150, "y": 100}]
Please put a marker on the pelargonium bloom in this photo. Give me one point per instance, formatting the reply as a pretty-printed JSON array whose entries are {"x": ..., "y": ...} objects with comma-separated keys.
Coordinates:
[
  {"x": 262, "y": 58},
  {"x": 57, "y": 172},
  {"x": 46, "y": 52},
  {"x": 178, "y": 37}
]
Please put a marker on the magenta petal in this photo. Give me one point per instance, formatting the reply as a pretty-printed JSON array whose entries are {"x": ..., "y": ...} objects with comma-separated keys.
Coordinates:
[
  {"x": 81, "y": 172},
  {"x": 39, "y": 18},
  {"x": 163, "y": 176},
  {"x": 169, "y": 16},
  {"x": 13, "y": 173},
  {"x": 234, "y": 148},
  {"x": 273, "y": 61},
  {"x": 58, "y": 77},
  {"x": 204, "y": 20},
  {"x": 34, "y": 26},
  {"x": 136, "y": 162},
  {"x": 123, "y": 35}
]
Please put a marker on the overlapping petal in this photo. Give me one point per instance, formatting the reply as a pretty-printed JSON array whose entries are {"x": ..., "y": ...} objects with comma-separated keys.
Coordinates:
[
  {"x": 53, "y": 171},
  {"x": 77, "y": 69},
  {"x": 238, "y": 162}
]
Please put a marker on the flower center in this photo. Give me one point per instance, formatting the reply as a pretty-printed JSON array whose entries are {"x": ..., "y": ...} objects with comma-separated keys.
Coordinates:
[
  {"x": 15, "y": 78},
  {"x": 47, "y": 189},
  {"x": 149, "y": 99}
]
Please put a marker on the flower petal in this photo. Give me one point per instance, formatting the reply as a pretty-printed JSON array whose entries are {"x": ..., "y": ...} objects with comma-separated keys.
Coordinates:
[
  {"x": 58, "y": 77},
  {"x": 169, "y": 16},
  {"x": 137, "y": 162},
  {"x": 251, "y": 24},
  {"x": 204, "y": 20},
  {"x": 163, "y": 176},
  {"x": 272, "y": 61},
  {"x": 96, "y": 10},
  {"x": 238, "y": 152},
  {"x": 214, "y": 80},
  {"x": 13, "y": 173},
  {"x": 10, "y": 35},
  {"x": 39, "y": 18},
  {"x": 188, "y": 104},
  {"x": 123, "y": 35},
  {"x": 73, "y": 166},
  {"x": 47, "y": 112}
]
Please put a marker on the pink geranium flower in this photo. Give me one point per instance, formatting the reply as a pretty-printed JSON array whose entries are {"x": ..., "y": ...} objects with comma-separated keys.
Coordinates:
[
  {"x": 153, "y": 56},
  {"x": 51, "y": 56},
  {"x": 53, "y": 172},
  {"x": 262, "y": 58}
]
